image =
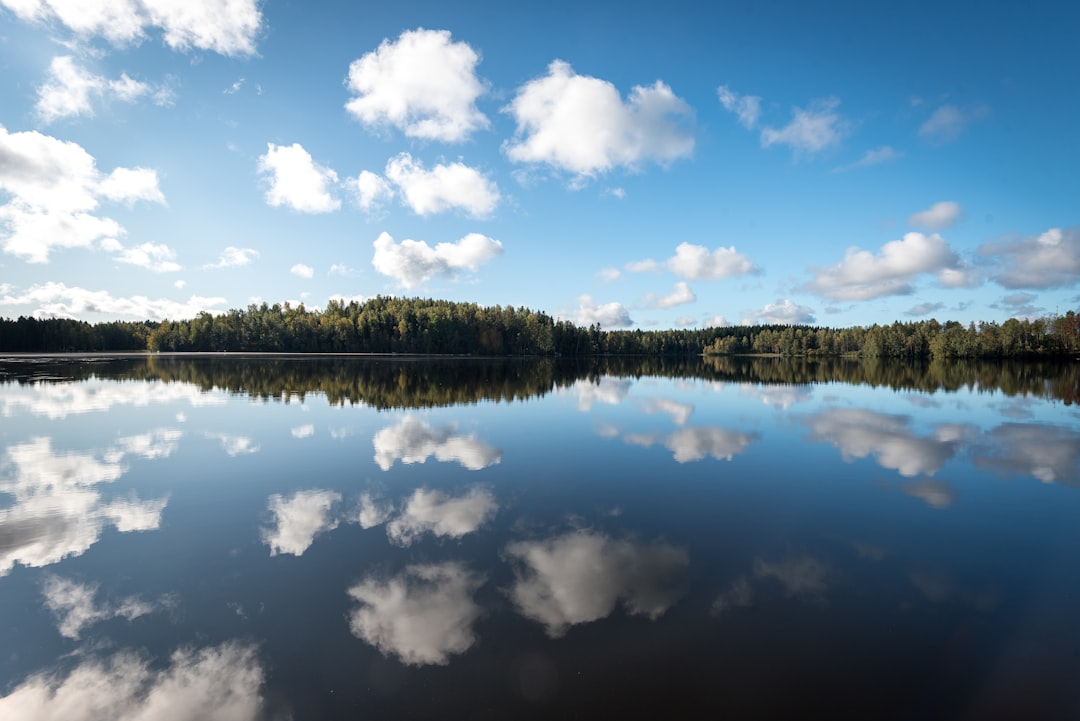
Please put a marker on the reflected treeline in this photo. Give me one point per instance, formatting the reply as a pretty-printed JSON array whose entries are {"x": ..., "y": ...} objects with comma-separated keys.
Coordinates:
[{"x": 423, "y": 383}]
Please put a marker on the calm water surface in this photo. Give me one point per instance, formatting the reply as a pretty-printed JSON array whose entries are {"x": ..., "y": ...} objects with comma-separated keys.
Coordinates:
[{"x": 377, "y": 539}]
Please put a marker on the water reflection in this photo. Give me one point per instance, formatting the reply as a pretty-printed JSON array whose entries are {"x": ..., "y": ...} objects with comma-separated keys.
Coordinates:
[
  {"x": 780, "y": 396},
  {"x": 679, "y": 412},
  {"x": 580, "y": 576},
  {"x": 235, "y": 445},
  {"x": 1049, "y": 453},
  {"x": 694, "y": 444},
  {"x": 934, "y": 493},
  {"x": 58, "y": 510},
  {"x": 75, "y": 606},
  {"x": 215, "y": 683},
  {"x": 424, "y": 615},
  {"x": 414, "y": 441},
  {"x": 443, "y": 516},
  {"x": 859, "y": 433},
  {"x": 298, "y": 518},
  {"x": 57, "y": 401},
  {"x": 804, "y": 576},
  {"x": 607, "y": 390}
]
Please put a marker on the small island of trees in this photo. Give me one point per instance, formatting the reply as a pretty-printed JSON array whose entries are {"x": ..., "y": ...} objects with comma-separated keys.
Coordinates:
[{"x": 424, "y": 326}]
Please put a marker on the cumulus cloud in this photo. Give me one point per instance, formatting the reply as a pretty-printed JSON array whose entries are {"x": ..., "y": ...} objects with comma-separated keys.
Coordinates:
[
  {"x": 949, "y": 122},
  {"x": 811, "y": 129},
  {"x": 233, "y": 257},
  {"x": 155, "y": 257},
  {"x": 372, "y": 190},
  {"x": 607, "y": 390},
  {"x": 784, "y": 312},
  {"x": 889, "y": 439},
  {"x": 1048, "y": 260},
  {"x": 235, "y": 445},
  {"x": 423, "y": 616},
  {"x": 1046, "y": 452},
  {"x": 930, "y": 491},
  {"x": 680, "y": 412},
  {"x": 58, "y": 509},
  {"x": 55, "y": 187},
  {"x": 696, "y": 262},
  {"x": 694, "y": 444},
  {"x": 217, "y": 683},
  {"x": 228, "y": 27},
  {"x": 56, "y": 300},
  {"x": 444, "y": 187},
  {"x": 423, "y": 83},
  {"x": 297, "y": 181},
  {"x": 305, "y": 431},
  {"x": 432, "y": 511},
  {"x": 862, "y": 275},
  {"x": 57, "y": 401},
  {"x": 298, "y": 519},
  {"x": 414, "y": 441},
  {"x": 746, "y": 107},
  {"x": 413, "y": 262},
  {"x": 302, "y": 271},
  {"x": 373, "y": 512},
  {"x": 581, "y": 576},
  {"x": 938, "y": 216},
  {"x": 608, "y": 315},
  {"x": 70, "y": 90},
  {"x": 680, "y": 295},
  {"x": 580, "y": 124}
]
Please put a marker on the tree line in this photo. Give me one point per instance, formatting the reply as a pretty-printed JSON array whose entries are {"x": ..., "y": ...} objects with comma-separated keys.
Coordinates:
[{"x": 425, "y": 326}]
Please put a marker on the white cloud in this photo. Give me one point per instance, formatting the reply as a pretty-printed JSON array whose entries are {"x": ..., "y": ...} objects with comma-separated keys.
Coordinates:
[
  {"x": 413, "y": 262},
  {"x": 680, "y": 412},
  {"x": 298, "y": 519},
  {"x": 432, "y": 511},
  {"x": 233, "y": 257},
  {"x": 75, "y": 607},
  {"x": 1046, "y": 452},
  {"x": 423, "y": 83},
  {"x": 297, "y": 181},
  {"x": 414, "y": 441},
  {"x": 70, "y": 90},
  {"x": 865, "y": 276},
  {"x": 783, "y": 312},
  {"x": 227, "y": 27},
  {"x": 580, "y": 124},
  {"x": 607, "y": 390},
  {"x": 55, "y": 187},
  {"x": 302, "y": 271},
  {"x": 60, "y": 400},
  {"x": 930, "y": 491},
  {"x": 811, "y": 129},
  {"x": 696, "y": 262},
  {"x": 1048, "y": 260},
  {"x": 877, "y": 156},
  {"x": 580, "y": 576},
  {"x": 444, "y": 187},
  {"x": 372, "y": 512},
  {"x": 218, "y": 683},
  {"x": 778, "y": 396},
  {"x": 746, "y": 107},
  {"x": 609, "y": 275},
  {"x": 938, "y": 216},
  {"x": 948, "y": 123},
  {"x": 424, "y": 615},
  {"x": 157, "y": 258},
  {"x": 608, "y": 315},
  {"x": 160, "y": 443},
  {"x": 859, "y": 433},
  {"x": 56, "y": 300},
  {"x": 372, "y": 190},
  {"x": 58, "y": 510},
  {"x": 717, "y": 321},
  {"x": 680, "y": 295},
  {"x": 694, "y": 444}
]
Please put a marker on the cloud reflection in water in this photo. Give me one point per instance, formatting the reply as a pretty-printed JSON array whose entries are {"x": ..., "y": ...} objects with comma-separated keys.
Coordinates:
[
  {"x": 298, "y": 519},
  {"x": 414, "y": 441},
  {"x": 423, "y": 616},
  {"x": 580, "y": 576}
]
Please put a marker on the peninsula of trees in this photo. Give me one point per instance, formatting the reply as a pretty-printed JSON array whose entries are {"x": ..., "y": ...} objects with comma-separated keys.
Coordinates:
[{"x": 424, "y": 326}]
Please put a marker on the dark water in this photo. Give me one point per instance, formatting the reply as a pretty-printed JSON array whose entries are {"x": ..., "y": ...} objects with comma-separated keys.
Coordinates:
[{"x": 377, "y": 539}]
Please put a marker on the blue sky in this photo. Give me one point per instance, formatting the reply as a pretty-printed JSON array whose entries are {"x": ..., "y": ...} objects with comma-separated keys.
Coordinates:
[{"x": 641, "y": 165}]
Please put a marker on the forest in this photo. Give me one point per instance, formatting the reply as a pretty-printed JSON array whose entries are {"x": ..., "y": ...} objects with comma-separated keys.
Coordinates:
[{"x": 385, "y": 324}]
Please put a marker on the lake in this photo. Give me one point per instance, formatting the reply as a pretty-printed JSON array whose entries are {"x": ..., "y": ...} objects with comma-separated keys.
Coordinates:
[{"x": 382, "y": 538}]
